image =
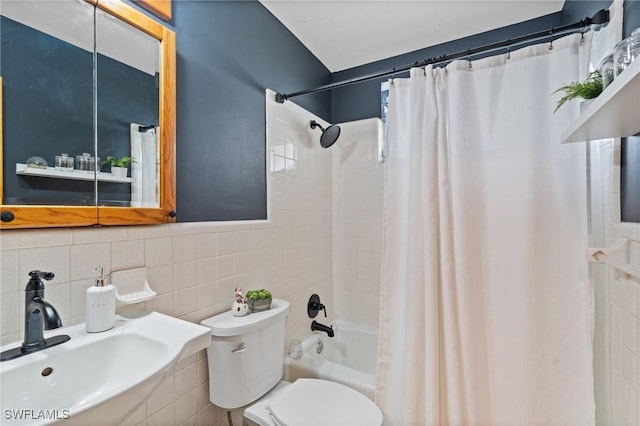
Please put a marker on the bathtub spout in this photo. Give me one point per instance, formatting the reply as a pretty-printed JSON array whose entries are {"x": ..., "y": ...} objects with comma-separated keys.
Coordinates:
[{"x": 315, "y": 325}]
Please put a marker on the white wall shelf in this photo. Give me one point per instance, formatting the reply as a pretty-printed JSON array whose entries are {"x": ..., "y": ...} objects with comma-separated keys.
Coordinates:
[
  {"x": 50, "y": 172},
  {"x": 613, "y": 114}
]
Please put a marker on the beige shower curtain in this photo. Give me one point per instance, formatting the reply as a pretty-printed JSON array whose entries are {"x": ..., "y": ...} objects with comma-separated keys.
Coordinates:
[{"x": 485, "y": 309}]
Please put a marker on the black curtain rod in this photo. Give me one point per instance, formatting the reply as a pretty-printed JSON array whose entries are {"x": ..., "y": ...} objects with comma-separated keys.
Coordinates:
[{"x": 598, "y": 20}]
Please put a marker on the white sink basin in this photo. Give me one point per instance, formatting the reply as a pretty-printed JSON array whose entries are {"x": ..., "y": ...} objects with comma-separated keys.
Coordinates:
[{"x": 96, "y": 378}]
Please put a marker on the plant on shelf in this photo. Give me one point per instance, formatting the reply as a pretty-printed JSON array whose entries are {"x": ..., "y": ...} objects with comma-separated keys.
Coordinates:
[
  {"x": 118, "y": 165},
  {"x": 588, "y": 89},
  {"x": 117, "y": 162}
]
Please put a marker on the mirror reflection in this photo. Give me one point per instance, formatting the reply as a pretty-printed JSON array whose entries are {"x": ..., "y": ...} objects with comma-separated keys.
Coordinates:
[
  {"x": 128, "y": 64},
  {"x": 46, "y": 68},
  {"x": 51, "y": 112}
]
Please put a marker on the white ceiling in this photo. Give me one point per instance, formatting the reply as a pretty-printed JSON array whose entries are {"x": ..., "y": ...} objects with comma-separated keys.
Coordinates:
[{"x": 347, "y": 33}]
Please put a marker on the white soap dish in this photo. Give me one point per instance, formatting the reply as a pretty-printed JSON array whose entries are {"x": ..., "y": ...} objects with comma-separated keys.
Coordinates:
[{"x": 132, "y": 286}]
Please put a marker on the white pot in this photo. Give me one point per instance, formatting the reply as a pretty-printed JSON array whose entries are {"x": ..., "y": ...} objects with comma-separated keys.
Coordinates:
[
  {"x": 239, "y": 309},
  {"x": 119, "y": 171}
]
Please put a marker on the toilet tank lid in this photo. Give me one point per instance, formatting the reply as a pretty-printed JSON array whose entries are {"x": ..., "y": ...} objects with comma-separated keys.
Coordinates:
[{"x": 226, "y": 324}]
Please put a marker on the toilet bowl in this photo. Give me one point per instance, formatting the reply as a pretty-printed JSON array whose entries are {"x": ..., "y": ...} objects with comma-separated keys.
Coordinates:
[
  {"x": 313, "y": 402},
  {"x": 245, "y": 359}
]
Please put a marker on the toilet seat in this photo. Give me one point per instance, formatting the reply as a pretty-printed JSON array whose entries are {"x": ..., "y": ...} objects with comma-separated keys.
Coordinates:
[{"x": 319, "y": 402}]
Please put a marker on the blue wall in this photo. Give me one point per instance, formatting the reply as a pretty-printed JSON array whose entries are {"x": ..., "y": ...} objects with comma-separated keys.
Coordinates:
[
  {"x": 363, "y": 100},
  {"x": 228, "y": 53}
]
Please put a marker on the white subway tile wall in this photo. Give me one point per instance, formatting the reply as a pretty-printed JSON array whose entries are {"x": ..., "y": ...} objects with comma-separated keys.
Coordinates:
[
  {"x": 617, "y": 298},
  {"x": 358, "y": 179},
  {"x": 195, "y": 267}
]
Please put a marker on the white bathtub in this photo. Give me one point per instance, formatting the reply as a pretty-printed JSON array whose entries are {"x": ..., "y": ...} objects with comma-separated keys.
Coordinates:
[{"x": 348, "y": 358}]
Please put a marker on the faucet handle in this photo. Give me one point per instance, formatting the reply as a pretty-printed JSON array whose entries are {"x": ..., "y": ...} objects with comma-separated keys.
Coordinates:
[
  {"x": 314, "y": 306},
  {"x": 41, "y": 274},
  {"x": 35, "y": 282},
  {"x": 324, "y": 308}
]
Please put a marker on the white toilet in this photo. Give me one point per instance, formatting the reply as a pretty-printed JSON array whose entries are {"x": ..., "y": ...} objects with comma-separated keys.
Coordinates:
[{"x": 246, "y": 365}]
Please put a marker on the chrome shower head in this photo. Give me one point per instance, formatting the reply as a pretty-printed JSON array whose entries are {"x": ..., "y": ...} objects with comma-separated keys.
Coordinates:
[{"x": 329, "y": 135}]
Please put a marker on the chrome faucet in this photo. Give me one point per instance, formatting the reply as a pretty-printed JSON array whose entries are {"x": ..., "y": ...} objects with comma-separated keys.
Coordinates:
[{"x": 39, "y": 315}]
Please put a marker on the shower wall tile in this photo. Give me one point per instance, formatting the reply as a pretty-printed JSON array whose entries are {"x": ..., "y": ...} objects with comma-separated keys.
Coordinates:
[
  {"x": 194, "y": 267},
  {"x": 357, "y": 222},
  {"x": 617, "y": 344}
]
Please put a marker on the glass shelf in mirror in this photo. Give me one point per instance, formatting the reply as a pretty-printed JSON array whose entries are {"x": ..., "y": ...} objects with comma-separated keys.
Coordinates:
[{"x": 51, "y": 172}]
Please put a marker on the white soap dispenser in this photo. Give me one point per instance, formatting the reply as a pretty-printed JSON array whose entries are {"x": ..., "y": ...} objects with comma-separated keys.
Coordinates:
[{"x": 101, "y": 305}]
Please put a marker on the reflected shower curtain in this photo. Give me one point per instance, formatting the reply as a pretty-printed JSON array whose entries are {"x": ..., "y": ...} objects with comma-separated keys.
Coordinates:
[
  {"x": 485, "y": 306},
  {"x": 145, "y": 153}
]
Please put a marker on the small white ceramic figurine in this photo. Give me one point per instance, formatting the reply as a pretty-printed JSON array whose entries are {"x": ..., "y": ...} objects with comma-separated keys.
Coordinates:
[{"x": 239, "y": 308}]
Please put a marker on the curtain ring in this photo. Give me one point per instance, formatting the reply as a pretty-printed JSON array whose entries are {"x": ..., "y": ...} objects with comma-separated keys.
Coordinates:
[
  {"x": 393, "y": 75},
  {"x": 551, "y": 41},
  {"x": 581, "y": 31},
  {"x": 469, "y": 58}
]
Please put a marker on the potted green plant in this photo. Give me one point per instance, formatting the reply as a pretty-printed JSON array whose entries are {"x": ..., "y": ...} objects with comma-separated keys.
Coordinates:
[
  {"x": 258, "y": 300},
  {"x": 118, "y": 165},
  {"x": 588, "y": 89}
]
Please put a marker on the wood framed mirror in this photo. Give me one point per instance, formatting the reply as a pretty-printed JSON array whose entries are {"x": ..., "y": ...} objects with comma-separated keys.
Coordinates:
[
  {"x": 161, "y": 8},
  {"x": 97, "y": 115}
]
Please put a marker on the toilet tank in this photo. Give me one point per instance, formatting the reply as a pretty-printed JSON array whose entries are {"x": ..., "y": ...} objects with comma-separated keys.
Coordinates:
[{"x": 245, "y": 354}]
